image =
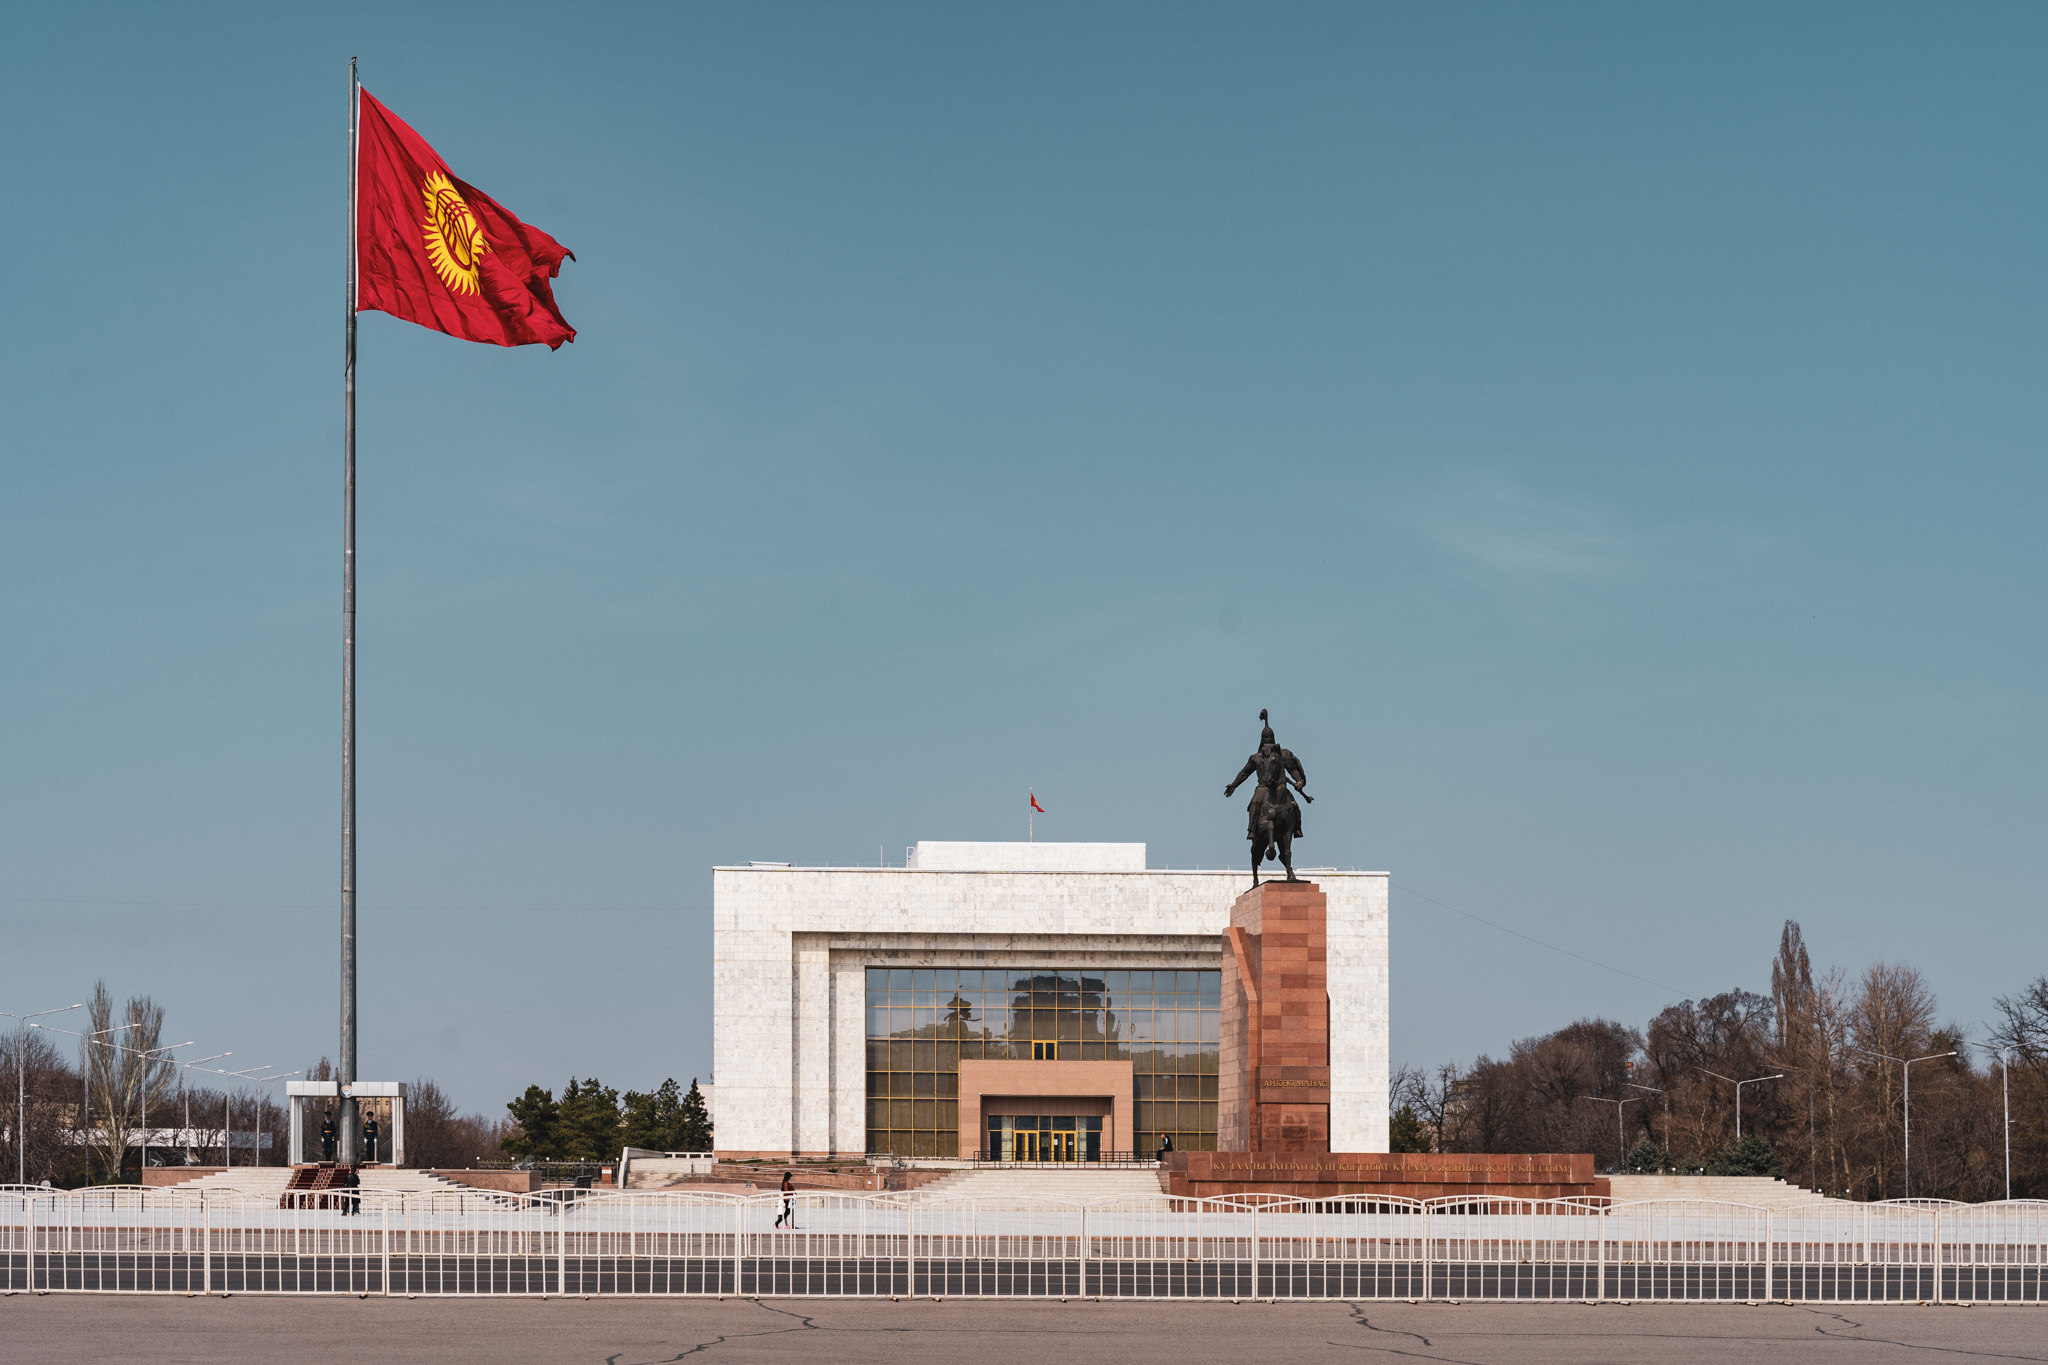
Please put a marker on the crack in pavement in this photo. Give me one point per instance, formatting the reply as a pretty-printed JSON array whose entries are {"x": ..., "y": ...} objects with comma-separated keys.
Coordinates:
[
  {"x": 1920, "y": 1346},
  {"x": 1397, "y": 1351},
  {"x": 1358, "y": 1316},
  {"x": 803, "y": 1324}
]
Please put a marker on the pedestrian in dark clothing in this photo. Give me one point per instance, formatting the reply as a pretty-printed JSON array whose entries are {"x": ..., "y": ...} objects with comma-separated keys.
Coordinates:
[
  {"x": 370, "y": 1134},
  {"x": 788, "y": 1213},
  {"x": 327, "y": 1136},
  {"x": 1165, "y": 1145}
]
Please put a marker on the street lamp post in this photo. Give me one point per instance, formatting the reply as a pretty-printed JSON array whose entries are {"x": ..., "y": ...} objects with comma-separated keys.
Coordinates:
[
  {"x": 186, "y": 1095},
  {"x": 2005, "y": 1091},
  {"x": 21, "y": 1086},
  {"x": 1906, "y": 1065},
  {"x": 1775, "y": 1076},
  {"x": 143, "y": 1161},
  {"x": 1620, "y": 1135},
  {"x": 2005, "y": 1094}
]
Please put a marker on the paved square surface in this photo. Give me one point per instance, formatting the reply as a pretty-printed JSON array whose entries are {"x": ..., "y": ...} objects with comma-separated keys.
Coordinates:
[{"x": 51, "y": 1328}]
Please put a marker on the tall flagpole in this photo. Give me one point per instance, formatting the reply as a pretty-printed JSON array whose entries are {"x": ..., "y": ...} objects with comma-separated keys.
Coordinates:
[{"x": 347, "y": 1068}]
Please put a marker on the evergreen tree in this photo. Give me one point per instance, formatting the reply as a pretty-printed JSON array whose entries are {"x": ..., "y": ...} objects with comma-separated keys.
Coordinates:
[
  {"x": 1751, "y": 1156},
  {"x": 693, "y": 1133},
  {"x": 1646, "y": 1158},
  {"x": 589, "y": 1121},
  {"x": 653, "y": 1121},
  {"x": 539, "y": 1119},
  {"x": 1404, "y": 1133}
]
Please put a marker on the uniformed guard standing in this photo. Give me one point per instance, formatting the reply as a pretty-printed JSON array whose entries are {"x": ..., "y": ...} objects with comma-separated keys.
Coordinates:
[
  {"x": 327, "y": 1134},
  {"x": 370, "y": 1131}
]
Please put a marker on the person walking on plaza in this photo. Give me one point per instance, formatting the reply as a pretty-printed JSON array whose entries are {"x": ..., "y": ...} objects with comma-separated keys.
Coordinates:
[
  {"x": 351, "y": 1201},
  {"x": 327, "y": 1135},
  {"x": 370, "y": 1131},
  {"x": 788, "y": 1213}
]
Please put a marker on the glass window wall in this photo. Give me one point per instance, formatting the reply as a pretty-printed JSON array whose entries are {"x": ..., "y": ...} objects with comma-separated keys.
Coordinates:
[{"x": 923, "y": 1020}]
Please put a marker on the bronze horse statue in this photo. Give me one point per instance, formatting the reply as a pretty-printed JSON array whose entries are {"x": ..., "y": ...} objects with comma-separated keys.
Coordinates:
[{"x": 1273, "y": 819}]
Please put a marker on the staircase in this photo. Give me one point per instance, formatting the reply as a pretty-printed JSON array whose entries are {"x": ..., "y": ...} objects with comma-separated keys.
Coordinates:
[
  {"x": 270, "y": 1182},
  {"x": 1735, "y": 1189},
  {"x": 1026, "y": 1184}
]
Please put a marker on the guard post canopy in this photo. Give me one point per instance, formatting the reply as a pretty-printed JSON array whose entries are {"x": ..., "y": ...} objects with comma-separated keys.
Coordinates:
[{"x": 309, "y": 1099}]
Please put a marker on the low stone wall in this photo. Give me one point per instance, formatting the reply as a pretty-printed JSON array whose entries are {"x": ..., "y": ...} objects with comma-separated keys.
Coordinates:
[
  {"x": 163, "y": 1177},
  {"x": 654, "y": 1172},
  {"x": 841, "y": 1175},
  {"x": 1409, "y": 1175},
  {"x": 510, "y": 1182}
]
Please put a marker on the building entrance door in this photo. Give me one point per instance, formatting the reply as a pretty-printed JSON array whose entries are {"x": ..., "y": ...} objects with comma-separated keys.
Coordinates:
[{"x": 1044, "y": 1137}]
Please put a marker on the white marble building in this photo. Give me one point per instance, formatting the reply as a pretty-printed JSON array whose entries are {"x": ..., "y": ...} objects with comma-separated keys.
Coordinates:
[{"x": 793, "y": 947}]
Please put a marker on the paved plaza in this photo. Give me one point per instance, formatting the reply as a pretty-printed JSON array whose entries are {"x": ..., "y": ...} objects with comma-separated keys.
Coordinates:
[{"x": 64, "y": 1328}]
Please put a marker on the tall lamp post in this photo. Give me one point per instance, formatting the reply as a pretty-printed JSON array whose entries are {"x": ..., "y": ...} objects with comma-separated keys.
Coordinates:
[
  {"x": 143, "y": 1160},
  {"x": 186, "y": 1094},
  {"x": 1620, "y": 1138},
  {"x": 1906, "y": 1064},
  {"x": 21, "y": 1086},
  {"x": 1753, "y": 1080}
]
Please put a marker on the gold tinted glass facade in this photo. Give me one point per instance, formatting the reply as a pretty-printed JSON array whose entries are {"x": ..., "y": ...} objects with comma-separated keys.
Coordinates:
[{"x": 922, "y": 1020}]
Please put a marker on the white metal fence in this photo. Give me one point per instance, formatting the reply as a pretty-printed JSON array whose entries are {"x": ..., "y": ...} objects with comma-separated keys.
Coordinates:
[{"x": 128, "y": 1240}]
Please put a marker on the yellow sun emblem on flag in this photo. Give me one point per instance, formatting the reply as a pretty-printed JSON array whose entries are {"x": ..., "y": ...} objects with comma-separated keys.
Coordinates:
[{"x": 455, "y": 240}]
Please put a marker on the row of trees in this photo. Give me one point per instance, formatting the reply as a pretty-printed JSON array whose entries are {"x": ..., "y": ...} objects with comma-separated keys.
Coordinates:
[
  {"x": 85, "y": 1118},
  {"x": 1664, "y": 1096},
  {"x": 592, "y": 1121},
  {"x": 86, "y": 1115}
]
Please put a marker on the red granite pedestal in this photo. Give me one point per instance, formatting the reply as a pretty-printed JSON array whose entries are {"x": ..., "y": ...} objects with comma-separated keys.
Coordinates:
[{"x": 1273, "y": 1086}]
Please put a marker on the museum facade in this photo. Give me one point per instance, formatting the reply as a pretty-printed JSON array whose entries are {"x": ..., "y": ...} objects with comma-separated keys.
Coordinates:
[{"x": 1023, "y": 1001}]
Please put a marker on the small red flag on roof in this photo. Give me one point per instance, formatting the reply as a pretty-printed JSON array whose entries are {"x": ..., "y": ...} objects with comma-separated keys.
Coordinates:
[{"x": 1034, "y": 802}]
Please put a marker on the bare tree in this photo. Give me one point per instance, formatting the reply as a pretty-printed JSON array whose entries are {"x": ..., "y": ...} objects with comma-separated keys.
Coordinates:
[
  {"x": 123, "y": 1078},
  {"x": 436, "y": 1135},
  {"x": 51, "y": 1089},
  {"x": 1892, "y": 1017}
]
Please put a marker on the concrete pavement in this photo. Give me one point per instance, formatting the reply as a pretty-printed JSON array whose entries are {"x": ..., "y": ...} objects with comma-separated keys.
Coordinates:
[{"x": 40, "y": 1329}]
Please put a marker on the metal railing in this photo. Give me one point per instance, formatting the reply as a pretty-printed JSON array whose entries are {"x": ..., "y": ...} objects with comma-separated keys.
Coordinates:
[{"x": 131, "y": 1240}]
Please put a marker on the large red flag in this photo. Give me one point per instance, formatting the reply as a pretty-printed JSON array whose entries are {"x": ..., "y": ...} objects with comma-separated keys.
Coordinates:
[{"x": 435, "y": 251}]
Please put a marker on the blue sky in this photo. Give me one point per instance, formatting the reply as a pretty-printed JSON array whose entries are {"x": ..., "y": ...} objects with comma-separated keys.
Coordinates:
[{"x": 1607, "y": 438}]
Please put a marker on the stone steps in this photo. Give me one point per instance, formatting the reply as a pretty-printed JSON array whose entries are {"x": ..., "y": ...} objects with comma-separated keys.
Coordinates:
[
  {"x": 1078, "y": 1184},
  {"x": 270, "y": 1181},
  {"x": 1737, "y": 1189}
]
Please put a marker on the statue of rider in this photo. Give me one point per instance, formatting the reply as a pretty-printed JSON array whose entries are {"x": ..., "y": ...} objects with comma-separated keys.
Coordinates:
[{"x": 1277, "y": 770}]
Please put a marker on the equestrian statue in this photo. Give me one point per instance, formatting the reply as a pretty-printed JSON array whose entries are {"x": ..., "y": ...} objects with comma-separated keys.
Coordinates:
[{"x": 1273, "y": 819}]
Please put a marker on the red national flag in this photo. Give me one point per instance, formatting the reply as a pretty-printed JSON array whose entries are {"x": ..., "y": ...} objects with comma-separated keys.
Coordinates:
[
  {"x": 435, "y": 251},
  {"x": 1034, "y": 803}
]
